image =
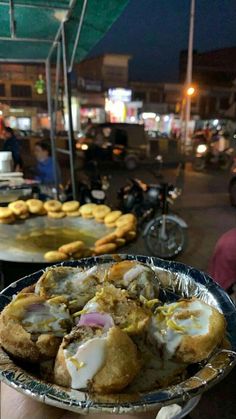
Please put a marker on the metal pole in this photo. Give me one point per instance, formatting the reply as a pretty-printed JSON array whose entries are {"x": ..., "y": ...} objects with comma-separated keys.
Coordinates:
[
  {"x": 57, "y": 86},
  {"x": 12, "y": 20},
  {"x": 22, "y": 60},
  {"x": 70, "y": 122},
  {"x": 189, "y": 74},
  {"x": 17, "y": 39},
  {"x": 36, "y": 6},
  {"x": 52, "y": 133},
  {"x": 58, "y": 34},
  {"x": 77, "y": 35}
]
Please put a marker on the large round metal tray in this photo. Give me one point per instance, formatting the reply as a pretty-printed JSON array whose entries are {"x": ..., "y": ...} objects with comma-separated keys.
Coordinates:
[
  {"x": 28, "y": 240},
  {"x": 176, "y": 279}
]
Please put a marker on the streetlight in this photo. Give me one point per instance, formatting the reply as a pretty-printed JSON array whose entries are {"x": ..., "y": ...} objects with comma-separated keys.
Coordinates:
[{"x": 190, "y": 89}]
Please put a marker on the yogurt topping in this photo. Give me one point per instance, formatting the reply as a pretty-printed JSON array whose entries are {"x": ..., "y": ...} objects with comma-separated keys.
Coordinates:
[
  {"x": 86, "y": 362},
  {"x": 45, "y": 318},
  {"x": 132, "y": 273},
  {"x": 173, "y": 321}
]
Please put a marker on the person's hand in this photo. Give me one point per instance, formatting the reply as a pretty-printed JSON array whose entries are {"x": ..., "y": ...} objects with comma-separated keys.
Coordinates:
[{"x": 15, "y": 405}]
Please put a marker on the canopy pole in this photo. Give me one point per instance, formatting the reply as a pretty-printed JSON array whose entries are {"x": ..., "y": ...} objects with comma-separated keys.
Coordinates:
[
  {"x": 78, "y": 35},
  {"x": 67, "y": 84},
  {"x": 36, "y": 6},
  {"x": 57, "y": 83},
  {"x": 59, "y": 32},
  {"x": 12, "y": 19},
  {"x": 52, "y": 132},
  {"x": 17, "y": 39},
  {"x": 22, "y": 60}
]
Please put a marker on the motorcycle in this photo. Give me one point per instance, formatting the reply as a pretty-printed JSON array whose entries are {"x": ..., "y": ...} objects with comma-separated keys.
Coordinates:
[
  {"x": 164, "y": 233},
  {"x": 206, "y": 157},
  {"x": 91, "y": 189}
]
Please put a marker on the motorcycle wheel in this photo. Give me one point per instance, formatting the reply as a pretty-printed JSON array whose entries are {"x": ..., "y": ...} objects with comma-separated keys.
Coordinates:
[
  {"x": 199, "y": 164},
  {"x": 225, "y": 162},
  {"x": 169, "y": 248},
  {"x": 232, "y": 193}
]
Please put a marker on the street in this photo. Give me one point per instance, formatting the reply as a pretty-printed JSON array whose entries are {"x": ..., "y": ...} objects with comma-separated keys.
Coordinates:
[{"x": 204, "y": 205}]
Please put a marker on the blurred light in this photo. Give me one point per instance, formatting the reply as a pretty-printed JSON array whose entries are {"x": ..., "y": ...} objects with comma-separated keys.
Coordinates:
[
  {"x": 216, "y": 122},
  {"x": 158, "y": 118},
  {"x": 0, "y": 112},
  {"x": 16, "y": 110},
  {"x": 120, "y": 94},
  {"x": 201, "y": 148},
  {"x": 117, "y": 151},
  {"x": 147, "y": 115},
  {"x": 166, "y": 118},
  {"x": 190, "y": 91},
  {"x": 84, "y": 147},
  {"x": 108, "y": 105}
]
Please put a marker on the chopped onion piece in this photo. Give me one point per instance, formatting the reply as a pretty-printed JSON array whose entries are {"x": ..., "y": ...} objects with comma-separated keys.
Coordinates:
[{"x": 103, "y": 320}]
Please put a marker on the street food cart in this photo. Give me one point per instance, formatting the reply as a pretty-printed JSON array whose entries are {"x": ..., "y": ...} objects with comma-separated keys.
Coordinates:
[{"x": 56, "y": 34}]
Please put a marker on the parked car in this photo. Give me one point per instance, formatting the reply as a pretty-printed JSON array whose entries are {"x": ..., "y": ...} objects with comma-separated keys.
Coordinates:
[{"x": 117, "y": 142}]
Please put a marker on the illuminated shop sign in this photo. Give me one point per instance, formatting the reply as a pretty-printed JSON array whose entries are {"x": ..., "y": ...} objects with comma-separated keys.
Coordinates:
[{"x": 120, "y": 94}]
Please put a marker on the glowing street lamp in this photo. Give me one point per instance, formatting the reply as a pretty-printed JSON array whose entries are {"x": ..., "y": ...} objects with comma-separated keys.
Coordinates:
[{"x": 190, "y": 91}]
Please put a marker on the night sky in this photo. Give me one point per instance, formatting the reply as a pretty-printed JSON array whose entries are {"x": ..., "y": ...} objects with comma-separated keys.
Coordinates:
[{"x": 154, "y": 32}]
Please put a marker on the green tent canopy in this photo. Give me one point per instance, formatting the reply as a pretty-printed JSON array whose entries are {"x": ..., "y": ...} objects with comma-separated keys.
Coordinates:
[{"x": 29, "y": 28}]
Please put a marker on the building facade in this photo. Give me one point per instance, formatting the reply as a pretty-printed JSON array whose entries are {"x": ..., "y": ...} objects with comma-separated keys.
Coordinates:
[
  {"x": 102, "y": 91},
  {"x": 23, "y": 107}
]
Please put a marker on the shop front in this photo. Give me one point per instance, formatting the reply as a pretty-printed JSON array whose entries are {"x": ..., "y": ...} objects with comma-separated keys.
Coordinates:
[{"x": 119, "y": 106}]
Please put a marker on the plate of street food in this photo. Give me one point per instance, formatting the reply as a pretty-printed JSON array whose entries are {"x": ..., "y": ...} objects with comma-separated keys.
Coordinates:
[
  {"x": 51, "y": 231},
  {"x": 116, "y": 333}
]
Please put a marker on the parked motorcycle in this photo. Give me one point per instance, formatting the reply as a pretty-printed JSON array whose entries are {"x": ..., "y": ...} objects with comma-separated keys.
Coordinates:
[
  {"x": 91, "y": 189},
  {"x": 164, "y": 233},
  {"x": 205, "y": 157}
]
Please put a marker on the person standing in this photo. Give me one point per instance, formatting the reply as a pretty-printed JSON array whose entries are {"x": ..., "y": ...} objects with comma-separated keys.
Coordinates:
[{"x": 12, "y": 144}]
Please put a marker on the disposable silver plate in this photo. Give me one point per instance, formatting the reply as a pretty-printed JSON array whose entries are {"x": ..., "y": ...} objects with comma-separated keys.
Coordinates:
[{"x": 176, "y": 280}]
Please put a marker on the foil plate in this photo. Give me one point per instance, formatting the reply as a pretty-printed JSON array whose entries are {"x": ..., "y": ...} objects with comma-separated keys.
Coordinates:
[
  {"x": 18, "y": 241},
  {"x": 176, "y": 280}
]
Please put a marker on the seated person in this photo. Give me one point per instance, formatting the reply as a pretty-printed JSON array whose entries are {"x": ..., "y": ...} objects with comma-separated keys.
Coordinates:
[
  {"x": 222, "y": 265},
  {"x": 44, "y": 168}
]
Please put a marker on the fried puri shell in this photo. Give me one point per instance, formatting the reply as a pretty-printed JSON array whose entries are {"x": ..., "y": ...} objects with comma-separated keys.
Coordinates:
[
  {"x": 17, "y": 341},
  {"x": 197, "y": 348},
  {"x": 105, "y": 248},
  {"x": 70, "y": 206},
  {"x": 35, "y": 206},
  {"x": 72, "y": 247},
  {"x": 52, "y": 205},
  {"x": 55, "y": 256},
  {"x": 18, "y": 207},
  {"x": 120, "y": 367}
]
